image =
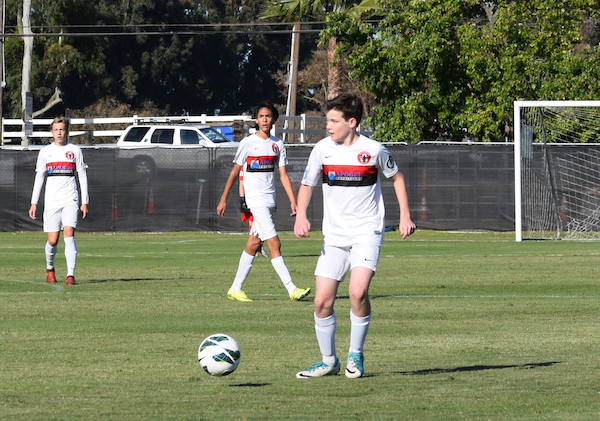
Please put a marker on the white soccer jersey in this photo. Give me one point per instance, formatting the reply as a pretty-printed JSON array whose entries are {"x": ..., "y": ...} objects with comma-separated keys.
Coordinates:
[
  {"x": 59, "y": 164},
  {"x": 353, "y": 209},
  {"x": 258, "y": 158}
]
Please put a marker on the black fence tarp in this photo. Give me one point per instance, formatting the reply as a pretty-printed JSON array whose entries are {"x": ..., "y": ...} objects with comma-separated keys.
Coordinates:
[{"x": 450, "y": 187}]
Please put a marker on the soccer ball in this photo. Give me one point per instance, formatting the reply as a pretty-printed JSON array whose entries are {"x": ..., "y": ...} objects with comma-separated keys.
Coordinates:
[{"x": 219, "y": 355}]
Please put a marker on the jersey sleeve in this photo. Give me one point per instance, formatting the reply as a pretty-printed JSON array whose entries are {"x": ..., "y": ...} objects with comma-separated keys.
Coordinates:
[
  {"x": 282, "y": 161},
  {"x": 83, "y": 181},
  {"x": 386, "y": 163},
  {"x": 40, "y": 174},
  {"x": 314, "y": 168},
  {"x": 241, "y": 153}
]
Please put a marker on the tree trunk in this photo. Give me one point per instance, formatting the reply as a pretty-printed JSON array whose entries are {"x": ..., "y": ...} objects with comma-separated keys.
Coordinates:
[{"x": 334, "y": 76}]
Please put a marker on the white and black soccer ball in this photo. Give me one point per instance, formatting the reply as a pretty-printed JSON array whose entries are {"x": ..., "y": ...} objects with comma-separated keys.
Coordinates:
[{"x": 219, "y": 355}]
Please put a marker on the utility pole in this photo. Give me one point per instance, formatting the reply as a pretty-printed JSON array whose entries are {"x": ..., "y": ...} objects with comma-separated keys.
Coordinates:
[
  {"x": 293, "y": 77},
  {"x": 2, "y": 75},
  {"x": 26, "y": 75}
]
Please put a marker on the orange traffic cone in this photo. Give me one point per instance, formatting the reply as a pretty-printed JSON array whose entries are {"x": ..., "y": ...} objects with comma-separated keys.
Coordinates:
[
  {"x": 151, "y": 201},
  {"x": 114, "y": 215}
]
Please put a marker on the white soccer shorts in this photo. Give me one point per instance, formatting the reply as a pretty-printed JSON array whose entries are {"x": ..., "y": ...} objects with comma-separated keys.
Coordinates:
[
  {"x": 56, "y": 219},
  {"x": 263, "y": 226},
  {"x": 334, "y": 262}
]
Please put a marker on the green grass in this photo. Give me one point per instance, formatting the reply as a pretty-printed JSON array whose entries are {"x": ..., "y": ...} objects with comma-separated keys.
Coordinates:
[{"x": 465, "y": 327}]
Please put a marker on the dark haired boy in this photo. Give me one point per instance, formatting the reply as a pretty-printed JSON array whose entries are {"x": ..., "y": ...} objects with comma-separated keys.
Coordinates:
[
  {"x": 259, "y": 154},
  {"x": 348, "y": 165}
]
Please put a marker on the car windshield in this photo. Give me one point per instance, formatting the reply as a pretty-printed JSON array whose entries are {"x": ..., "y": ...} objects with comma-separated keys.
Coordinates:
[
  {"x": 214, "y": 135},
  {"x": 189, "y": 137}
]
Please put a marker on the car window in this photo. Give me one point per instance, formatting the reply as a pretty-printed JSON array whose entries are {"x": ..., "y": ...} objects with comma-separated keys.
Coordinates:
[
  {"x": 189, "y": 137},
  {"x": 136, "y": 134},
  {"x": 214, "y": 135},
  {"x": 164, "y": 136}
]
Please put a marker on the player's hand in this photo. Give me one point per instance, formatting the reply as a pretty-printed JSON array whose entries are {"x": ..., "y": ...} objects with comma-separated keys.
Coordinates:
[
  {"x": 294, "y": 209},
  {"x": 221, "y": 208},
  {"x": 32, "y": 210},
  {"x": 407, "y": 227},
  {"x": 84, "y": 211},
  {"x": 302, "y": 227}
]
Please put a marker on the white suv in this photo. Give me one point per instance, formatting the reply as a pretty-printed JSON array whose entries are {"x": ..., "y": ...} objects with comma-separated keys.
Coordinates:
[
  {"x": 149, "y": 147},
  {"x": 172, "y": 133}
]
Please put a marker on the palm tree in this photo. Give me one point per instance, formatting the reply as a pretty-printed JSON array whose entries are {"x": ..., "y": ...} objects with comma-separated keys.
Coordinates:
[{"x": 306, "y": 10}]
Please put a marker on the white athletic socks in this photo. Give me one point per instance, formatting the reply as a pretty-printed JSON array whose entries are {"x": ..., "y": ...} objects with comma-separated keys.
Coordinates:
[
  {"x": 243, "y": 270},
  {"x": 50, "y": 255},
  {"x": 70, "y": 255},
  {"x": 358, "y": 332},
  {"x": 325, "y": 329},
  {"x": 283, "y": 273}
]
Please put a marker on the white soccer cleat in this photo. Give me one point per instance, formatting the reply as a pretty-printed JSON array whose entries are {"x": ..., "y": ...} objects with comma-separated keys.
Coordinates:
[
  {"x": 354, "y": 365},
  {"x": 320, "y": 369}
]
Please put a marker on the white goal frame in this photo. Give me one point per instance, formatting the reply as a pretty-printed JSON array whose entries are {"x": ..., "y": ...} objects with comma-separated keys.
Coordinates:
[{"x": 518, "y": 105}]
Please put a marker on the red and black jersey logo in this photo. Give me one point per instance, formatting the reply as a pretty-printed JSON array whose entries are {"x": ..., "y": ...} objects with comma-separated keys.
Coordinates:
[
  {"x": 364, "y": 157},
  {"x": 261, "y": 163},
  {"x": 70, "y": 155},
  {"x": 350, "y": 175}
]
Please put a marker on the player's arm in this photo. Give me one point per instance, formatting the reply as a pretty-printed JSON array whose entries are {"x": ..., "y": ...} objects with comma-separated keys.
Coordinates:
[
  {"x": 83, "y": 185},
  {"x": 302, "y": 225},
  {"x": 287, "y": 185},
  {"x": 233, "y": 176},
  {"x": 37, "y": 190},
  {"x": 406, "y": 227}
]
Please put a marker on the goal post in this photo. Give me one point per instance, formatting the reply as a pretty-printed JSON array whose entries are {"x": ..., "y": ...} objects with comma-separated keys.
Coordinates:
[{"x": 557, "y": 170}]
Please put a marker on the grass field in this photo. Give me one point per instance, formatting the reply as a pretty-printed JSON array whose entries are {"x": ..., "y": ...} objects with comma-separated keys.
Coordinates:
[{"x": 466, "y": 326}]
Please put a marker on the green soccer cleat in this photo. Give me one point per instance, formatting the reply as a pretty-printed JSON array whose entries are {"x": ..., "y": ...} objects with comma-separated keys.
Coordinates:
[
  {"x": 354, "y": 365},
  {"x": 299, "y": 294},
  {"x": 238, "y": 296},
  {"x": 320, "y": 369}
]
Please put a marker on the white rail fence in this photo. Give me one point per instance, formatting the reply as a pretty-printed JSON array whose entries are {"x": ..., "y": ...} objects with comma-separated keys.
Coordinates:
[{"x": 301, "y": 129}]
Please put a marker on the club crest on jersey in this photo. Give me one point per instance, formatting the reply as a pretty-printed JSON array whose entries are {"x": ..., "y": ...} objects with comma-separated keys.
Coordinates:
[
  {"x": 275, "y": 148},
  {"x": 364, "y": 157},
  {"x": 70, "y": 155}
]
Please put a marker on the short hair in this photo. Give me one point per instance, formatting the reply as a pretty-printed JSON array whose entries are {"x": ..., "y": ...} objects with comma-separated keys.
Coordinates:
[
  {"x": 350, "y": 105},
  {"x": 62, "y": 120},
  {"x": 266, "y": 104}
]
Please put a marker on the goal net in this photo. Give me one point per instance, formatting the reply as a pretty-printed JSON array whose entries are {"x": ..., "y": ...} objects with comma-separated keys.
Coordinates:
[{"x": 557, "y": 170}]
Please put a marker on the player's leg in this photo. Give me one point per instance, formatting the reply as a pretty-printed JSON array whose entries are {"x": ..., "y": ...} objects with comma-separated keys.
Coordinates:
[
  {"x": 235, "y": 293},
  {"x": 52, "y": 227},
  {"x": 264, "y": 228},
  {"x": 69, "y": 220},
  {"x": 331, "y": 270},
  {"x": 325, "y": 328},
  {"x": 364, "y": 260}
]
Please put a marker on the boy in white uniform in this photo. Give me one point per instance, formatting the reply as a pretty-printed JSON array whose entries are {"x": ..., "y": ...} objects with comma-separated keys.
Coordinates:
[
  {"x": 57, "y": 163},
  {"x": 258, "y": 155},
  {"x": 348, "y": 166}
]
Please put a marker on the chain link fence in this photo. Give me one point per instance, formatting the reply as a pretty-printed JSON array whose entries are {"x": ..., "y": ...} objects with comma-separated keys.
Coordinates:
[{"x": 451, "y": 186}]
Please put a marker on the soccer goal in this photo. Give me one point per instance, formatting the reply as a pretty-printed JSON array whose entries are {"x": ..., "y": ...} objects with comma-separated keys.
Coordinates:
[{"x": 557, "y": 170}]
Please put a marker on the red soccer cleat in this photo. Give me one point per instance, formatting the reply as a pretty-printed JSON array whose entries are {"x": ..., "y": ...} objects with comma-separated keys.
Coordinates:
[
  {"x": 50, "y": 276},
  {"x": 71, "y": 280}
]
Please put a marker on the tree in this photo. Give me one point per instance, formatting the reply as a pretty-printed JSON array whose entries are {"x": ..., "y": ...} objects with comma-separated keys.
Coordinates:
[
  {"x": 306, "y": 10},
  {"x": 452, "y": 66},
  {"x": 177, "y": 73}
]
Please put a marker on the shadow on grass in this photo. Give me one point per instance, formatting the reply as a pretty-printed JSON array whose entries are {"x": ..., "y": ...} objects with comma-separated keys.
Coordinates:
[
  {"x": 100, "y": 281},
  {"x": 476, "y": 368},
  {"x": 250, "y": 385}
]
